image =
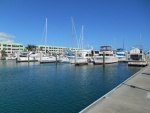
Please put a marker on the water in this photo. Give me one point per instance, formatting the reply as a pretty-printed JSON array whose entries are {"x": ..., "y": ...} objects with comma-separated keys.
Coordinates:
[{"x": 56, "y": 88}]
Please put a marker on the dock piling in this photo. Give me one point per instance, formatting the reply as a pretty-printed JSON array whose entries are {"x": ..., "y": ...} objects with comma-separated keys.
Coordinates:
[
  {"x": 103, "y": 58},
  {"x": 75, "y": 56}
]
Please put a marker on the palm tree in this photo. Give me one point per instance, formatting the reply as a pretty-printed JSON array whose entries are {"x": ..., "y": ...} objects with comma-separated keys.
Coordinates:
[
  {"x": 31, "y": 47},
  {"x": 3, "y": 54}
]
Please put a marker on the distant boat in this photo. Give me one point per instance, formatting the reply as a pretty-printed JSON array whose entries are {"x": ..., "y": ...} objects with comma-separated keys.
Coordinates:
[
  {"x": 48, "y": 59},
  {"x": 110, "y": 56},
  {"x": 64, "y": 59},
  {"x": 137, "y": 57},
  {"x": 28, "y": 56},
  {"x": 121, "y": 54},
  {"x": 80, "y": 57}
]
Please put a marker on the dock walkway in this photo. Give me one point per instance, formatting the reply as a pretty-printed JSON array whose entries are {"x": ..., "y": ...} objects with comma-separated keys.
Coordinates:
[{"x": 132, "y": 96}]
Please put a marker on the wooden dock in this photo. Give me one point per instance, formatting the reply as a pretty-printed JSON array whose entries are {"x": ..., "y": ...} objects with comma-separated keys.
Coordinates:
[{"x": 132, "y": 96}]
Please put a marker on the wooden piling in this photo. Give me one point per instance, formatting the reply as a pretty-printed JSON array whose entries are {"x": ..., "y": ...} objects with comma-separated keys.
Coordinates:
[{"x": 103, "y": 58}]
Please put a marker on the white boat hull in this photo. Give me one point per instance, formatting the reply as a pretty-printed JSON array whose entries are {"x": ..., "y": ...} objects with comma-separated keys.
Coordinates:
[
  {"x": 137, "y": 63},
  {"x": 121, "y": 59},
  {"x": 77, "y": 60},
  {"x": 108, "y": 60}
]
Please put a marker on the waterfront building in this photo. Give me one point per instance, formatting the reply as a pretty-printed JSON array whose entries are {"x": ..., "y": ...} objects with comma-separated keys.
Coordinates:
[
  {"x": 54, "y": 49},
  {"x": 11, "y": 48}
]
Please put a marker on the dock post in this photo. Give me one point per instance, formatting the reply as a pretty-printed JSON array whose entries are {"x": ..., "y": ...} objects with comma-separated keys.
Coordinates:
[
  {"x": 103, "y": 58},
  {"x": 56, "y": 58},
  {"x": 75, "y": 57},
  {"x": 17, "y": 56},
  {"x": 28, "y": 58},
  {"x": 40, "y": 56}
]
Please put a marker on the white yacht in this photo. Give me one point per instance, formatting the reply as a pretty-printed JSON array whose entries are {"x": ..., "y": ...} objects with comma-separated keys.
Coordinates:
[
  {"x": 137, "y": 57},
  {"x": 48, "y": 59},
  {"x": 64, "y": 59},
  {"x": 121, "y": 54},
  {"x": 27, "y": 56},
  {"x": 109, "y": 56},
  {"x": 80, "y": 57}
]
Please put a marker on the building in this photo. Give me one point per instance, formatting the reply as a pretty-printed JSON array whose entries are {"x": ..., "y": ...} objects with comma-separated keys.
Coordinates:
[
  {"x": 11, "y": 48},
  {"x": 54, "y": 49}
]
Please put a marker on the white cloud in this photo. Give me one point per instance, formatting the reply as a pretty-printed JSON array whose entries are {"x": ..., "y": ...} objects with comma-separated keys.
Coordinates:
[{"x": 5, "y": 37}]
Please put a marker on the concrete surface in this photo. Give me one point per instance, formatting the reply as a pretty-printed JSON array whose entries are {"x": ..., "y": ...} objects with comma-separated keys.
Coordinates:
[{"x": 132, "y": 96}]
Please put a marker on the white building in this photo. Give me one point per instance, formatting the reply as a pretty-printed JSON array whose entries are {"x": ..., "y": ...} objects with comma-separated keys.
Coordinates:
[
  {"x": 11, "y": 48},
  {"x": 54, "y": 49}
]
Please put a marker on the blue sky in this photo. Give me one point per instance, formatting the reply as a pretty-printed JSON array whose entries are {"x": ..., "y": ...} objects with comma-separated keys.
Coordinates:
[{"x": 106, "y": 22}]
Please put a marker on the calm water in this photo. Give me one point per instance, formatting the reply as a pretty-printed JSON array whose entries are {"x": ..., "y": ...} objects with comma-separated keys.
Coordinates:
[{"x": 61, "y": 88}]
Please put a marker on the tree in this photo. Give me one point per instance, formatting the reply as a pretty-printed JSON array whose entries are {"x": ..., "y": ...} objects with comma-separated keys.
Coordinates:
[
  {"x": 31, "y": 47},
  {"x": 3, "y": 54}
]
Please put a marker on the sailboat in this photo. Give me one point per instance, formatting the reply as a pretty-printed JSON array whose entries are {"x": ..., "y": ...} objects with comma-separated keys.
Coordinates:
[
  {"x": 81, "y": 56},
  {"x": 45, "y": 58}
]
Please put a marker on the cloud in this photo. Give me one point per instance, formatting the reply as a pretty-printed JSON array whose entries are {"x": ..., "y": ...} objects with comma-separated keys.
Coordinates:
[{"x": 5, "y": 37}]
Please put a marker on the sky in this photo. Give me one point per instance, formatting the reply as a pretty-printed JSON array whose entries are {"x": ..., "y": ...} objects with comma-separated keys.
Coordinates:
[{"x": 105, "y": 22}]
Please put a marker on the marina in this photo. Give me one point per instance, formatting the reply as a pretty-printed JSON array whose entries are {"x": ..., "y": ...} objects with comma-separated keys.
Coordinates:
[
  {"x": 75, "y": 56},
  {"x": 57, "y": 87}
]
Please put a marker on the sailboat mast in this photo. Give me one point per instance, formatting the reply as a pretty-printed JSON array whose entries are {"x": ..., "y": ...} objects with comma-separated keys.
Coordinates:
[
  {"x": 46, "y": 32},
  {"x": 72, "y": 32},
  {"x": 123, "y": 43},
  {"x": 140, "y": 41},
  {"x": 82, "y": 36}
]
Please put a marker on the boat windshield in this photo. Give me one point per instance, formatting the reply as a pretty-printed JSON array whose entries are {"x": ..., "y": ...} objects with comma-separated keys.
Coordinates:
[
  {"x": 136, "y": 57},
  {"x": 106, "y": 48},
  {"x": 120, "y": 50}
]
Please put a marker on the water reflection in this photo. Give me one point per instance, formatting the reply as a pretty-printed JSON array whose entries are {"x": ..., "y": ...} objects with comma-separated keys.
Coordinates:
[{"x": 57, "y": 87}]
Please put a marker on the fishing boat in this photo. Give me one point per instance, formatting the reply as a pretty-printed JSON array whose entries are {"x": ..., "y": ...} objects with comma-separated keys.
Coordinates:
[
  {"x": 121, "y": 54},
  {"x": 106, "y": 56},
  {"x": 137, "y": 57}
]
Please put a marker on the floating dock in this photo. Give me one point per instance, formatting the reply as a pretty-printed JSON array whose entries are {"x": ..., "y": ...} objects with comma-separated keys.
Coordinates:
[{"x": 132, "y": 96}]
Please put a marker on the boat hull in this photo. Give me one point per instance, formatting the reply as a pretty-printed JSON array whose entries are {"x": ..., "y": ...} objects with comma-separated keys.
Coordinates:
[
  {"x": 137, "y": 63},
  {"x": 108, "y": 60}
]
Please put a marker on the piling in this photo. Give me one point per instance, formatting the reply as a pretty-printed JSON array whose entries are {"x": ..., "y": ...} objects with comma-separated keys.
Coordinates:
[
  {"x": 103, "y": 58},
  {"x": 17, "y": 55},
  {"x": 40, "y": 56},
  {"x": 28, "y": 58},
  {"x": 56, "y": 58},
  {"x": 75, "y": 56}
]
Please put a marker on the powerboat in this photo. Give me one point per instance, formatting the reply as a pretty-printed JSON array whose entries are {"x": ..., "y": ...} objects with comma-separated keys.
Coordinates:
[
  {"x": 137, "y": 57},
  {"x": 106, "y": 56},
  {"x": 121, "y": 54}
]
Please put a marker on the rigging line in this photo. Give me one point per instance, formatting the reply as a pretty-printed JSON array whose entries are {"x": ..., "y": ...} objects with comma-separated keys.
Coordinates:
[{"x": 74, "y": 31}]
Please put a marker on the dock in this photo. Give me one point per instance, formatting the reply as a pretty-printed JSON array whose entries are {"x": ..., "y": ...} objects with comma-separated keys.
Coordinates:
[{"x": 131, "y": 96}]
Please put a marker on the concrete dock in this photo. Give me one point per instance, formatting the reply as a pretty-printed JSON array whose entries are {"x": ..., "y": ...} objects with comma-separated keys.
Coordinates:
[{"x": 132, "y": 96}]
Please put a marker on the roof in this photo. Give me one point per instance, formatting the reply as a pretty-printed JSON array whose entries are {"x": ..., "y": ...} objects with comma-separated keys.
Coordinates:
[
  {"x": 56, "y": 46},
  {"x": 10, "y": 43}
]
